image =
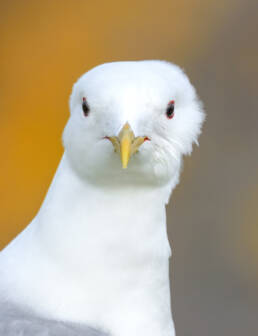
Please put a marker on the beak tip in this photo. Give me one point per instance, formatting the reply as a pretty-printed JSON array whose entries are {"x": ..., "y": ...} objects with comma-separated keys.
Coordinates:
[{"x": 124, "y": 165}]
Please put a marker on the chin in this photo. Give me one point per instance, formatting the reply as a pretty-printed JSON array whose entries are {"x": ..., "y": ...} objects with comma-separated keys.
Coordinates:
[{"x": 101, "y": 166}]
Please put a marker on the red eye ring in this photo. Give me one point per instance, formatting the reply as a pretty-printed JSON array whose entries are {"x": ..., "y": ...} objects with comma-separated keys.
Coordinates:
[{"x": 170, "y": 109}]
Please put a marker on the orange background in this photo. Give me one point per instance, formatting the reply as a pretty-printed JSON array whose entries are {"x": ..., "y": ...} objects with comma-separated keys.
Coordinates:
[{"x": 213, "y": 217}]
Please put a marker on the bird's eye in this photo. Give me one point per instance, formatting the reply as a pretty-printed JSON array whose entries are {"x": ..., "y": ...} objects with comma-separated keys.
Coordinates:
[
  {"x": 170, "y": 109},
  {"x": 85, "y": 107}
]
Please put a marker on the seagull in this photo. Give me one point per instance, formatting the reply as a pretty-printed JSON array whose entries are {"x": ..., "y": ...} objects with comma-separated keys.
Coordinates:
[{"x": 95, "y": 259}]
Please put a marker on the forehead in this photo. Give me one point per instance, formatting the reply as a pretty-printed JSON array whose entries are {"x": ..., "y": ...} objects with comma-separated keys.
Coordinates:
[{"x": 133, "y": 81}]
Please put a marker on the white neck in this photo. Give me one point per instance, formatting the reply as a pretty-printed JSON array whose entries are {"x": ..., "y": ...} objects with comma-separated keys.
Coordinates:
[
  {"x": 103, "y": 250},
  {"x": 76, "y": 214}
]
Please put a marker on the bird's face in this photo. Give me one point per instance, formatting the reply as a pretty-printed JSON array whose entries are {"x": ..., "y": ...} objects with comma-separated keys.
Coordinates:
[{"x": 131, "y": 122}]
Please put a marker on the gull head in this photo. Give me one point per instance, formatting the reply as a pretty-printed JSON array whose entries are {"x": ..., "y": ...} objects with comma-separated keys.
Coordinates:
[{"x": 131, "y": 122}]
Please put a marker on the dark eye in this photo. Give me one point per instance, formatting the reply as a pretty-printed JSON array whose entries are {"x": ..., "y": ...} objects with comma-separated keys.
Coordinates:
[
  {"x": 170, "y": 109},
  {"x": 85, "y": 107}
]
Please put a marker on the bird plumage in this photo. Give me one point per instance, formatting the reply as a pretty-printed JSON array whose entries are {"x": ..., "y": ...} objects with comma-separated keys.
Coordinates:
[
  {"x": 97, "y": 252},
  {"x": 14, "y": 321}
]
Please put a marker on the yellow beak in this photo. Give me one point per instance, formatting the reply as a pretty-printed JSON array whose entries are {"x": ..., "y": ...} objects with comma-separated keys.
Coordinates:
[
  {"x": 126, "y": 137},
  {"x": 126, "y": 143}
]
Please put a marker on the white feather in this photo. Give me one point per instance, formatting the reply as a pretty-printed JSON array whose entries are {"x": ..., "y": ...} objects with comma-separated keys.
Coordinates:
[{"x": 97, "y": 252}]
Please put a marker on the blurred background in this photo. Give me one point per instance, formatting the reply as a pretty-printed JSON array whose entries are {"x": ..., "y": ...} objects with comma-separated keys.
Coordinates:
[{"x": 213, "y": 215}]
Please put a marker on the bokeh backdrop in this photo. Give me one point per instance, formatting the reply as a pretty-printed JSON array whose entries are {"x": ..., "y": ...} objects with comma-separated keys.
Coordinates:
[{"x": 213, "y": 215}]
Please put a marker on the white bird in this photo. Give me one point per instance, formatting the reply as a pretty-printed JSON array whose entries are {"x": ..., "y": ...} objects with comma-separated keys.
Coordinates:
[{"x": 97, "y": 253}]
